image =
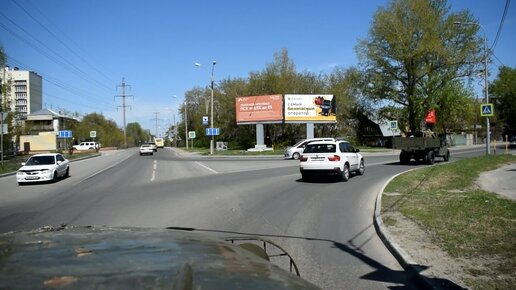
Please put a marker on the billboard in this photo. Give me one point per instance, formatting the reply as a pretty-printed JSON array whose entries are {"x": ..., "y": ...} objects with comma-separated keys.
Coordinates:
[
  {"x": 259, "y": 109},
  {"x": 310, "y": 108}
]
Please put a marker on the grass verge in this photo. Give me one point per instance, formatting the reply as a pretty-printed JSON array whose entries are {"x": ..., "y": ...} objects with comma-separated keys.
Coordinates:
[
  {"x": 465, "y": 221},
  {"x": 235, "y": 152}
]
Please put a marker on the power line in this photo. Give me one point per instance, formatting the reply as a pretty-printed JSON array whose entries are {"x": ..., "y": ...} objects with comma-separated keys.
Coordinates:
[
  {"x": 507, "y": 2},
  {"x": 123, "y": 96},
  {"x": 57, "y": 58},
  {"x": 498, "y": 59},
  {"x": 75, "y": 91},
  {"x": 58, "y": 39}
]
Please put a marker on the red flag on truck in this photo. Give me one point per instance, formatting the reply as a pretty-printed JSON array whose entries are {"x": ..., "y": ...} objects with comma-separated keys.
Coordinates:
[{"x": 430, "y": 117}]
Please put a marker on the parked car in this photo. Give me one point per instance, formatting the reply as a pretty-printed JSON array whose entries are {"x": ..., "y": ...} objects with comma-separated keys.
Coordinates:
[
  {"x": 84, "y": 146},
  {"x": 146, "y": 149},
  {"x": 295, "y": 151},
  {"x": 338, "y": 158},
  {"x": 43, "y": 167}
]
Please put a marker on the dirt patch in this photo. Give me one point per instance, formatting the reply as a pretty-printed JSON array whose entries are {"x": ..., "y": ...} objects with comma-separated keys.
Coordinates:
[{"x": 424, "y": 249}]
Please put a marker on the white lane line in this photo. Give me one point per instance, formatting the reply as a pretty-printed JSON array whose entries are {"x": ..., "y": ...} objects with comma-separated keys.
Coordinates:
[
  {"x": 200, "y": 164},
  {"x": 154, "y": 170}
]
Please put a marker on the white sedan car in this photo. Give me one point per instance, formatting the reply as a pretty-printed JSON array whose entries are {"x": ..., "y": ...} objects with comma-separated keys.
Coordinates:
[
  {"x": 336, "y": 158},
  {"x": 146, "y": 149},
  {"x": 43, "y": 167}
]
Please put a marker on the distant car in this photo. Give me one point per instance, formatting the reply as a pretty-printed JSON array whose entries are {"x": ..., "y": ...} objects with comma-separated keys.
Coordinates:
[
  {"x": 153, "y": 146},
  {"x": 84, "y": 146},
  {"x": 43, "y": 167},
  {"x": 512, "y": 143},
  {"x": 336, "y": 158},
  {"x": 295, "y": 151},
  {"x": 146, "y": 149}
]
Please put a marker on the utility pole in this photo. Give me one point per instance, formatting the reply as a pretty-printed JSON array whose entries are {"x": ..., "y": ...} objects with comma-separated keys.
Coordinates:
[
  {"x": 156, "y": 120},
  {"x": 123, "y": 106}
]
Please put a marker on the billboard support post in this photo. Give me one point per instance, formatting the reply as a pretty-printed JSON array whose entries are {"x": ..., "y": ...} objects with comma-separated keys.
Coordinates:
[
  {"x": 259, "y": 134},
  {"x": 309, "y": 130}
]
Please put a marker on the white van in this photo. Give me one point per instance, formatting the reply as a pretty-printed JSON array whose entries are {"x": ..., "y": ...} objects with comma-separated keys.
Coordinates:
[{"x": 295, "y": 151}]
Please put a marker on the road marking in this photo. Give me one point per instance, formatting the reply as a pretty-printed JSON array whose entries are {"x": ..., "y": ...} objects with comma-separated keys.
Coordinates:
[
  {"x": 200, "y": 164},
  {"x": 154, "y": 170}
]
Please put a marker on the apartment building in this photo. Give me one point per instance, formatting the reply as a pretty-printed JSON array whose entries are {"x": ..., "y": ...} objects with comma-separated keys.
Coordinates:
[{"x": 25, "y": 95}]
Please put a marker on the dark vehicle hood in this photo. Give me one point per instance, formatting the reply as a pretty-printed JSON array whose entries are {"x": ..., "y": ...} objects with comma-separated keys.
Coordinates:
[{"x": 133, "y": 258}]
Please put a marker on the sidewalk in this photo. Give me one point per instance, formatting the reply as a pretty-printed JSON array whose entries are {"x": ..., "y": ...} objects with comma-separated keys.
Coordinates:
[{"x": 501, "y": 181}]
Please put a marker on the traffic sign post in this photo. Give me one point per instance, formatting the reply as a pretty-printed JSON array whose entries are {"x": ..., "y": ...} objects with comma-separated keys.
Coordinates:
[
  {"x": 212, "y": 131},
  {"x": 191, "y": 135},
  {"x": 393, "y": 125},
  {"x": 205, "y": 120},
  {"x": 486, "y": 110},
  {"x": 65, "y": 134}
]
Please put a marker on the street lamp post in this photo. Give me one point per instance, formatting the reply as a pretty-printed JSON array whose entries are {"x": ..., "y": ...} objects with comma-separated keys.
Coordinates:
[
  {"x": 211, "y": 103},
  {"x": 186, "y": 125},
  {"x": 486, "y": 90}
]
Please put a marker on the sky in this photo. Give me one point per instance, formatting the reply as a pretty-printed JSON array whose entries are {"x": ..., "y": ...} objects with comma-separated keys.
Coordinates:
[{"x": 84, "y": 49}]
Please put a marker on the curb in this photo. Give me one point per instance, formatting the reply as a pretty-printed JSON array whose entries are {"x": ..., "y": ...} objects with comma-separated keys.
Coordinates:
[
  {"x": 73, "y": 160},
  {"x": 399, "y": 253}
]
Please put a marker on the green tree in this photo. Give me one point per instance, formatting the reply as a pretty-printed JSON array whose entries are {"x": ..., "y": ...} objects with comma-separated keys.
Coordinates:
[
  {"x": 5, "y": 105},
  {"x": 415, "y": 54},
  {"x": 136, "y": 135},
  {"x": 503, "y": 95},
  {"x": 108, "y": 134}
]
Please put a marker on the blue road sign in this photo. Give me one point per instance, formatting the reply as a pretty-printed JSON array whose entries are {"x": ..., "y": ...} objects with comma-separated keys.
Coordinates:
[
  {"x": 212, "y": 131},
  {"x": 486, "y": 110},
  {"x": 65, "y": 134}
]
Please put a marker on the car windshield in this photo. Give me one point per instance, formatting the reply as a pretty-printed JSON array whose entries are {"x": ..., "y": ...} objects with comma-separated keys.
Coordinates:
[
  {"x": 41, "y": 160},
  {"x": 320, "y": 148}
]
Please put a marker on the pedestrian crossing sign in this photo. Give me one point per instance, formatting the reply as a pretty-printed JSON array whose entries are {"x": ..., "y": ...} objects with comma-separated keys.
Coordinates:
[{"x": 486, "y": 110}]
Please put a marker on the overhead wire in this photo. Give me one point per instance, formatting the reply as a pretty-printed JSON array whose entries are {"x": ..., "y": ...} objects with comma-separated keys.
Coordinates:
[
  {"x": 497, "y": 37},
  {"x": 54, "y": 56},
  {"x": 88, "y": 96},
  {"x": 100, "y": 72}
]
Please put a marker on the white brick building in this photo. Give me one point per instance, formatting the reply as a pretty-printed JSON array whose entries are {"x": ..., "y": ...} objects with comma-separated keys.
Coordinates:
[{"x": 26, "y": 92}]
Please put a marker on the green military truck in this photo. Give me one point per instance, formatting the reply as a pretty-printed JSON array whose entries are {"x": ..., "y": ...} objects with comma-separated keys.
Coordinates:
[{"x": 421, "y": 148}]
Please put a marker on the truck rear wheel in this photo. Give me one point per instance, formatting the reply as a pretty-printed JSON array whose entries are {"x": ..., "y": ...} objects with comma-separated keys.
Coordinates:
[
  {"x": 447, "y": 155},
  {"x": 430, "y": 157},
  {"x": 404, "y": 158}
]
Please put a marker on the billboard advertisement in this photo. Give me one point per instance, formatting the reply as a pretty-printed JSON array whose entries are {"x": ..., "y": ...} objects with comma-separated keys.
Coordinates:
[
  {"x": 259, "y": 109},
  {"x": 310, "y": 108}
]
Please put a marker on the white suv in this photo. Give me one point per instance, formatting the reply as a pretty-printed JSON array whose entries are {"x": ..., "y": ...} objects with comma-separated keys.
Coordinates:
[
  {"x": 86, "y": 146},
  {"x": 295, "y": 151},
  {"x": 337, "y": 158}
]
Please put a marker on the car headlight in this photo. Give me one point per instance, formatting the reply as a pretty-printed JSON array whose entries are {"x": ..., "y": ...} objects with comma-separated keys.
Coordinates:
[
  {"x": 20, "y": 173},
  {"x": 45, "y": 171}
]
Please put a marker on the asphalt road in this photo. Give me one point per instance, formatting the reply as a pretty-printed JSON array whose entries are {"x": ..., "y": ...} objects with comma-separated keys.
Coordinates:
[{"x": 327, "y": 226}]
